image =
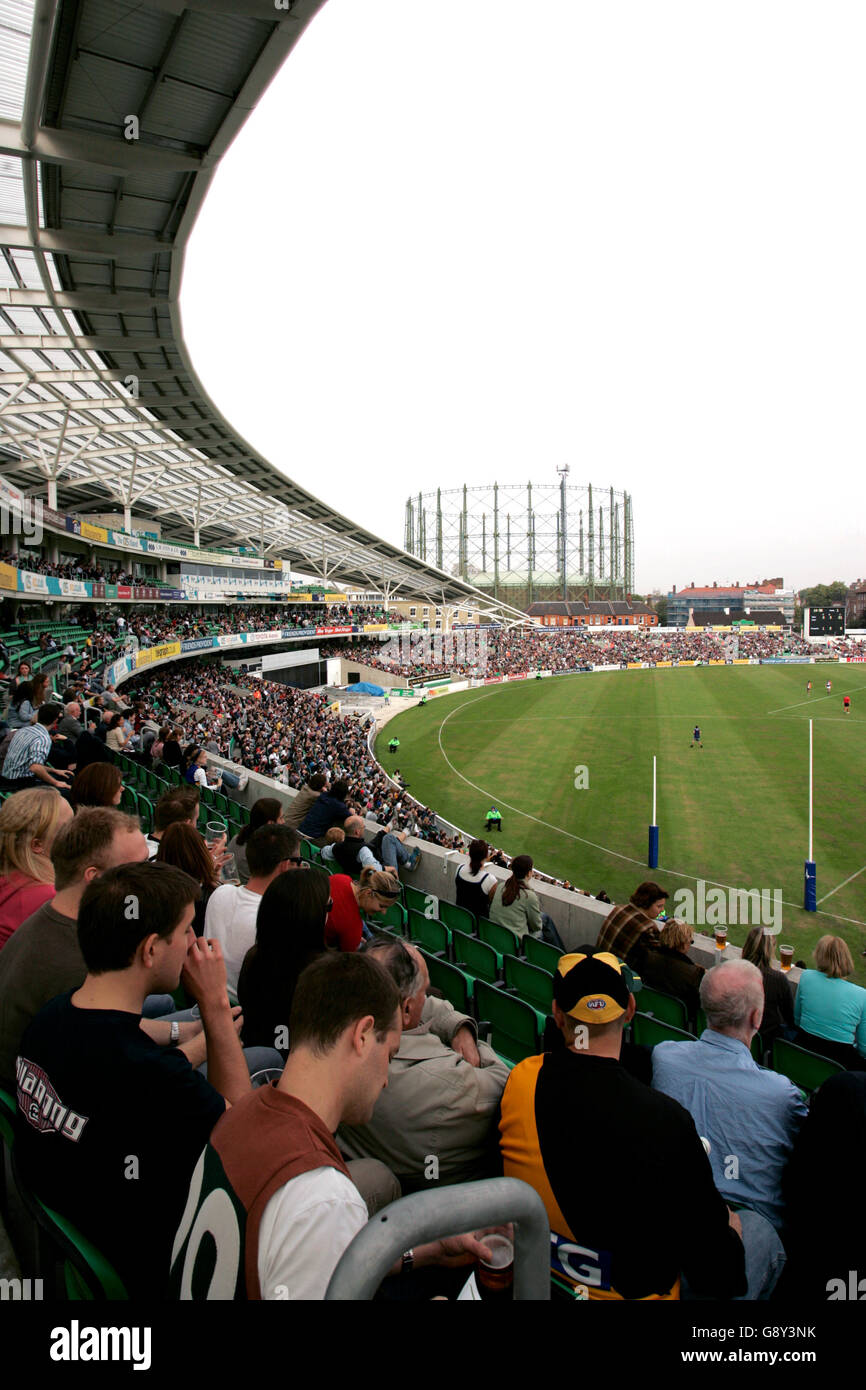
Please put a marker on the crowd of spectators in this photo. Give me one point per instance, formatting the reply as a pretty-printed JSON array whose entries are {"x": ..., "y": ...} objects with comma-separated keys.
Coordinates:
[
  {"x": 287, "y": 734},
  {"x": 464, "y": 653},
  {"x": 70, "y": 569},
  {"x": 491, "y": 651},
  {"x": 312, "y": 1157}
]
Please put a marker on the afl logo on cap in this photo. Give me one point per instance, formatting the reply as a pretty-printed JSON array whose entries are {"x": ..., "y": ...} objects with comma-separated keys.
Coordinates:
[{"x": 595, "y": 1003}]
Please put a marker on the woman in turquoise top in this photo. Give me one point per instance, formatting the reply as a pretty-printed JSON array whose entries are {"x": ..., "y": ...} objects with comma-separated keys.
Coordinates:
[{"x": 829, "y": 1010}]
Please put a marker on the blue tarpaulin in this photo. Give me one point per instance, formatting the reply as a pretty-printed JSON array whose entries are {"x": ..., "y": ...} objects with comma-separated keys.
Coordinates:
[{"x": 366, "y": 688}]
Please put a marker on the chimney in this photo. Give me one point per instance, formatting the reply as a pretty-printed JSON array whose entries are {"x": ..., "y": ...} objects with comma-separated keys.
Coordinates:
[{"x": 715, "y": 585}]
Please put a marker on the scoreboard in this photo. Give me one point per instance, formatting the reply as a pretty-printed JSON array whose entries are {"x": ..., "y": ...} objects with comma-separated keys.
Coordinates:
[{"x": 824, "y": 622}]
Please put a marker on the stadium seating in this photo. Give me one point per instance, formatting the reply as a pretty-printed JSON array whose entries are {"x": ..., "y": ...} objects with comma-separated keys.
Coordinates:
[
  {"x": 416, "y": 900},
  {"x": 429, "y": 933},
  {"x": 666, "y": 1008},
  {"x": 458, "y": 918},
  {"x": 539, "y": 952},
  {"x": 456, "y": 986},
  {"x": 476, "y": 957},
  {"x": 806, "y": 1069},
  {"x": 514, "y": 1025},
  {"x": 647, "y": 1031},
  {"x": 528, "y": 982},
  {"x": 145, "y": 812},
  {"x": 394, "y": 919},
  {"x": 503, "y": 940},
  {"x": 87, "y": 1274}
]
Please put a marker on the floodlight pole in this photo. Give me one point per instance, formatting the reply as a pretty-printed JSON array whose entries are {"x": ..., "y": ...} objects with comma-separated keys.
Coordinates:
[
  {"x": 653, "y": 851},
  {"x": 810, "y": 883}
]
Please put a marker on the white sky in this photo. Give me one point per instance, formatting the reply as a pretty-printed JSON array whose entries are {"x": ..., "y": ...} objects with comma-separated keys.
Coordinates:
[{"x": 477, "y": 241}]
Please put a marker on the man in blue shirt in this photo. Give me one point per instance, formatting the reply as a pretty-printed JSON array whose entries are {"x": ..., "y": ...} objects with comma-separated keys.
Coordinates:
[
  {"x": 749, "y": 1116},
  {"x": 26, "y": 761}
]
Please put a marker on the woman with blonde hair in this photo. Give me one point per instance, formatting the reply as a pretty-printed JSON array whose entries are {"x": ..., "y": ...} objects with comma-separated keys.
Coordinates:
[
  {"x": 829, "y": 1010},
  {"x": 760, "y": 949},
  {"x": 352, "y": 901},
  {"x": 668, "y": 966},
  {"x": 29, "y": 823}
]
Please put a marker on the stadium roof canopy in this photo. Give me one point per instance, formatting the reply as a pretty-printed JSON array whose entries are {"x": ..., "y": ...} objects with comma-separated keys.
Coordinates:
[{"x": 100, "y": 407}]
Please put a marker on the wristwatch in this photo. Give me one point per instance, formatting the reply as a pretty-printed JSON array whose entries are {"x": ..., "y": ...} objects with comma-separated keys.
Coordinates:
[
  {"x": 407, "y": 1263},
  {"x": 174, "y": 1034}
]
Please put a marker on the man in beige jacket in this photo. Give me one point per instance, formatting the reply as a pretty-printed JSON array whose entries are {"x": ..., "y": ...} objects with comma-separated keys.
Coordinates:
[
  {"x": 306, "y": 797},
  {"x": 437, "y": 1120}
]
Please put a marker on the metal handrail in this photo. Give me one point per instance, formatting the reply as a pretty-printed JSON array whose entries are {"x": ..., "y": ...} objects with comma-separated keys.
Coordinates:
[{"x": 447, "y": 1211}]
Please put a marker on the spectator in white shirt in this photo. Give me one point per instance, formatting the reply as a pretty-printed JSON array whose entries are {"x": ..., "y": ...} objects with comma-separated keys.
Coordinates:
[
  {"x": 232, "y": 911},
  {"x": 475, "y": 883}
]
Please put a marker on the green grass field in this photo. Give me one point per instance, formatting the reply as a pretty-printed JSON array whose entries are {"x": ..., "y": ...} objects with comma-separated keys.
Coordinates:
[{"x": 733, "y": 813}]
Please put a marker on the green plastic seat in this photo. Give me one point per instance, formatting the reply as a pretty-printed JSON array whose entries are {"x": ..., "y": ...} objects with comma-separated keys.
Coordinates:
[
  {"x": 806, "y": 1069},
  {"x": 540, "y": 952},
  {"x": 129, "y": 800},
  {"x": 502, "y": 939},
  {"x": 208, "y": 796},
  {"x": 664, "y": 1007},
  {"x": 245, "y": 813},
  {"x": 458, "y": 918},
  {"x": 455, "y": 985},
  {"x": 476, "y": 957},
  {"x": 647, "y": 1031},
  {"x": 87, "y": 1274},
  {"x": 514, "y": 1031},
  {"x": 394, "y": 918},
  {"x": 132, "y": 773},
  {"x": 529, "y": 982},
  {"x": 145, "y": 812},
  {"x": 429, "y": 933},
  {"x": 416, "y": 901}
]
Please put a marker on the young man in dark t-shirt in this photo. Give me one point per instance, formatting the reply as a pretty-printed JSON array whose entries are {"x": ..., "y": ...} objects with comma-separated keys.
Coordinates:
[
  {"x": 627, "y": 1185},
  {"x": 272, "y": 1205},
  {"x": 109, "y": 1124}
]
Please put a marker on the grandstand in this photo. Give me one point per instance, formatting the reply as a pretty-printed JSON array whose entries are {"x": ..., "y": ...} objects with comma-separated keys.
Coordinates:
[{"x": 145, "y": 541}]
